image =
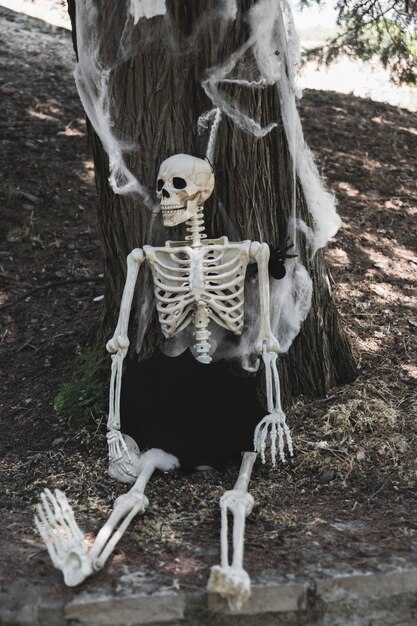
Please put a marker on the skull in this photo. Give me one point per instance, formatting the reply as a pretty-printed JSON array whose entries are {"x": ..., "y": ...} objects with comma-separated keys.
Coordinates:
[{"x": 184, "y": 184}]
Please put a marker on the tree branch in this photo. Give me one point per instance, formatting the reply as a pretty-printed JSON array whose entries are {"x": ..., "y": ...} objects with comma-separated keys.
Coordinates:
[{"x": 50, "y": 286}]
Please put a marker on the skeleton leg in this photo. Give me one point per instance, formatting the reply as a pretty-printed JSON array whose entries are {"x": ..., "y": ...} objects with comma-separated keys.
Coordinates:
[
  {"x": 230, "y": 580},
  {"x": 64, "y": 540},
  {"x": 124, "y": 510}
]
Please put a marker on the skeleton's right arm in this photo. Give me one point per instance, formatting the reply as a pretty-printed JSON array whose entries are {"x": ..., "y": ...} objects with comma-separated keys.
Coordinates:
[{"x": 120, "y": 340}]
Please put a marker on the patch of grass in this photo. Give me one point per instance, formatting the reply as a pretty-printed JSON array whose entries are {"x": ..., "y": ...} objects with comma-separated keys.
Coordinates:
[
  {"x": 83, "y": 398},
  {"x": 360, "y": 416},
  {"x": 392, "y": 137},
  {"x": 352, "y": 436}
]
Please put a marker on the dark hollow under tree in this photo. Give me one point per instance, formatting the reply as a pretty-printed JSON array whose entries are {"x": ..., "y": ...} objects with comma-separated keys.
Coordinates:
[{"x": 157, "y": 98}]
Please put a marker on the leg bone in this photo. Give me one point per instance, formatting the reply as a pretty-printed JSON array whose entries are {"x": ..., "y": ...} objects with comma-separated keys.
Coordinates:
[
  {"x": 129, "y": 505},
  {"x": 231, "y": 581},
  {"x": 125, "y": 508},
  {"x": 64, "y": 540}
]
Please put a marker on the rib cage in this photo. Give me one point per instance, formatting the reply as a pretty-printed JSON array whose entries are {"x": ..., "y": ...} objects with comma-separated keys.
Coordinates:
[{"x": 211, "y": 275}]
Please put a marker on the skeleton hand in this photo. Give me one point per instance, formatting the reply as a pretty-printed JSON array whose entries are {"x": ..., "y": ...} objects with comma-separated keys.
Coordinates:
[
  {"x": 119, "y": 454},
  {"x": 117, "y": 342},
  {"x": 124, "y": 457},
  {"x": 63, "y": 538},
  {"x": 271, "y": 426}
]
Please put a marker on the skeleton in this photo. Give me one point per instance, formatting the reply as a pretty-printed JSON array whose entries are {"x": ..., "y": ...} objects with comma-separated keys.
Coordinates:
[{"x": 195, "y": 281}]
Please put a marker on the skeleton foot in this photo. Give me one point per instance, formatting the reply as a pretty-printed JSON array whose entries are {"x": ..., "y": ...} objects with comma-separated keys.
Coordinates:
[
  {"x": 65, "y": 542},
  {"x": 231, "y": 581},
  {"x": 271, "y": 427},
  {"x": 63, "y": 538}
]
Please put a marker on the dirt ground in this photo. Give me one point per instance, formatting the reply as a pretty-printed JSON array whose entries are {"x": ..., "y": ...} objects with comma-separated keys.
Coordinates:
[{"x": 348, "y": 499}]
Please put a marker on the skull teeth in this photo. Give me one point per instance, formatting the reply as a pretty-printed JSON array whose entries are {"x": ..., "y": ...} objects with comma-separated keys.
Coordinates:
[{"x": 167, "y": 211}]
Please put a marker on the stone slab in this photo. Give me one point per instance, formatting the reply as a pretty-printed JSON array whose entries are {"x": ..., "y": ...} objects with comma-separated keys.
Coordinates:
[
  {"x": 126, "y": 611},
  {"x": 266, "y": 599},
  {"x": 18, "y": 605},
  {"x": 384, "y": 598},
  {"x": 367, "y": 586}
]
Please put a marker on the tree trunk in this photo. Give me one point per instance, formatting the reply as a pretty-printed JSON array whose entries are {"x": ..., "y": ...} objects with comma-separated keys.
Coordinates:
[{"x": 157, "y": 99}]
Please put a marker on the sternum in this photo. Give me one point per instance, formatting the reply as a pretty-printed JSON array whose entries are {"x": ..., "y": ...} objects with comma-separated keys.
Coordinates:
[{"x": 197, "y": 279}]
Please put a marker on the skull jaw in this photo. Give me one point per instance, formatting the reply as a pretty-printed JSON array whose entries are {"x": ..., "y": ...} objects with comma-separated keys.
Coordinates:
[{"x": 176, "y": 215}]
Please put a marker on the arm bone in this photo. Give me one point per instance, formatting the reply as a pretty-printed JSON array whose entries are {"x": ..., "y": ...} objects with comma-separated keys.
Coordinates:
[
  {"x": 274, "y": 425},
  {"x": 120, "y": 341},
  {"x": 117, "y": 346},
  {"x": 260, "y": 252}
]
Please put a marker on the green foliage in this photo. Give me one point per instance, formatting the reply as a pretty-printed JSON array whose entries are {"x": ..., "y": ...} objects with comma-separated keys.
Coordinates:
[
  {"x": 375, "y": 28},
  {"x": 392, "y": 138},
  {"x": 84, "y": 396}
]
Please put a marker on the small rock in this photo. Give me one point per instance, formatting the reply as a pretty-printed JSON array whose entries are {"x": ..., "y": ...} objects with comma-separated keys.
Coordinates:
[
  {"x": 30, "y": 197},
  {"x": 360, "y": 455},
  {"x": 328, "y": 475},
  {"x": 402, "y": 445}
]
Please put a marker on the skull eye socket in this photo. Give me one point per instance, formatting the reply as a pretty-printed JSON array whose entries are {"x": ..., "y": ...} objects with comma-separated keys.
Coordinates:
[
  {"x": 159, "y": 184},
  {"x": 179, "y": 183}
]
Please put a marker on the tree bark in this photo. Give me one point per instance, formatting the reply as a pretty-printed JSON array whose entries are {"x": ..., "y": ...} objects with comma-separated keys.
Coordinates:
[{"x": 158, "y": 99}]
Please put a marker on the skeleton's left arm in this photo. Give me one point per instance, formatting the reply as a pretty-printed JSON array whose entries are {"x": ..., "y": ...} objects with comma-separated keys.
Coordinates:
[
  {"x": 274, "y": 424},
  {"x": 266, "y": 340}
]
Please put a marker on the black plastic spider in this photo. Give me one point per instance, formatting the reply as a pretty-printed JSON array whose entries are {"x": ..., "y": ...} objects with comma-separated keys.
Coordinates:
[{"x": 277, "y": 258}]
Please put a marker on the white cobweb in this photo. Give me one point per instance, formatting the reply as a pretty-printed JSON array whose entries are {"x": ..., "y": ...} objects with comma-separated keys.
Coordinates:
[
  {"x": 92, "y": 76},
  {"x": 273, "y": 49}
]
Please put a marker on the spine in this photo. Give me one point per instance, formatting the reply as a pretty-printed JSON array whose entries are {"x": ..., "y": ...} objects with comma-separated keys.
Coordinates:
[
  {"x": 202, "y": 334},
  {"x": 196, "y": 228}
]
